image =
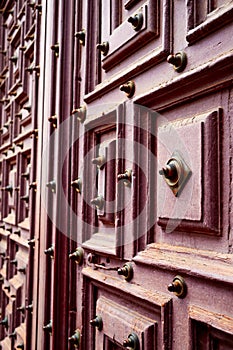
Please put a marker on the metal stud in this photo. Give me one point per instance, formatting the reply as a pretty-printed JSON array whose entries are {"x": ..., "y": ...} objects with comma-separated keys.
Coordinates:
[
  {"x": 25, "y": 175},
  {"x": 13, "y": 59},
  {"x": 126, "y": 177},
  {"x": 98, "y": 202},
  {"x": 22, "y": 270},
  {"x": 4, "y": 322},
  {"x": 31, "y": 242},
  {"x": 55, "y": 48},
  {"x": 128, "y": 88},
  {"x": 132, "y": 342},
  {"x": 53, "y": 120},
  {"x": 14, "y": 262},
  {"x": 29, "y": 307},
  {"x": 50, "y": 252},
  {"x": 77, "y": 184},
  {"x": 48, "y": 327},
  {"x": 99, "y": 161},
  {"x": 52, "y": 185},
  {"x": 178, "y": 287},
  {"x": 21, "y": 309},
  {"x": 126, "y": 271},
  {"x": 75, "y": 338},
  {"x": 25, "y": 198},
  {"x": 136, "y": 21},
  {"x": 97, "y": 322},
  {"x": 77, "y": 255},
  {"x": 80, "y": 113},
  {"x": 33, "y": 186},
  {"x": 179, "y": 61},
  {"x": 81, "y": 35},
  {"x": 176, "y": 173},
  {"x": 103, "y": 47}
]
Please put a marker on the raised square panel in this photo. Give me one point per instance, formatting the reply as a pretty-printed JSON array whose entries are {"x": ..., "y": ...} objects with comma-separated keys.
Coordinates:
[
  {"x": 99, "y": 192},
  {"x": 198, "y": 205},
  {"x": 125, "y": 40},
  {"x": 126, "y": 308},
  {"x": 205, "y": 17},
  {"x": 210, "y": 331},
  {"x": 119, "y": 322}
]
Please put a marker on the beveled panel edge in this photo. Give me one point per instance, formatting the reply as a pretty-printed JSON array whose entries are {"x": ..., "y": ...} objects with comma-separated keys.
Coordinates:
[
  {"x": 157, "y": 298},
  {"x": 215, "y": 20},
  {"x": 221, "y": 322},
  {"x": 188, "y": 261},
  {"x": 191, "y": 85}
]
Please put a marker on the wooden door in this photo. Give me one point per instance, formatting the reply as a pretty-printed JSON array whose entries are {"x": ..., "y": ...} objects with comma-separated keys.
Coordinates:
[
  {"x": 129, "y": 105},
  {"x": 156, "y": 275}
]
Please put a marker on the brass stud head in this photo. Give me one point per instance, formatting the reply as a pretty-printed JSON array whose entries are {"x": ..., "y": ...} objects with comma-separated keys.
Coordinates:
[
  {"x": 14, "y": 262},
  {"x": 25, "y": 198},
  {"x": 29, "y": 69},
  {"x": 75, "y": 338},
  {"x": 31, "y": 242},
  {"x": 9, "y": 189},
  {"x": 136, "y": 21},
  {"x": 81, "y": 35},
  {"x": 32, "y": 4},
  {"x": 99, "y": 161},
  {"x": 25, "y": 175},
  {"x": 80, "y": 113},
  {"x": 52, "y": 186},
  {"x": 33, "y": 186},
  {"x": 55, "y": 49},
  {"x": 178, "y": 287},
  {"x": 48, "y": 327},
  {"x": 77, "y": 185},
  {"x": 22, "y": 270},
  {"x": 128, "y": 88},
  {"x": 126, "y": 271},
  {"x": 77, "y": 256},
  {"x": 13, "y": 59},
  {"x": 176, "y": 173},
  {"x": 126, "y": 177},
  {"x": 179, "y": 61},
  {"x": 4, "y": 322},
  {"x": 38, "y": 7},
  {"x": 29, "y": 307},
  {"x": 132, "y": 342},
  {"x": 98, "y": 202},
  {"x": 21, "y": 309},
  {"x": 97, "y": 322},
  {"x": 103, "y": 47},
  {"x": 53, "y": 120},
  {"x": 50, "y": 252}
]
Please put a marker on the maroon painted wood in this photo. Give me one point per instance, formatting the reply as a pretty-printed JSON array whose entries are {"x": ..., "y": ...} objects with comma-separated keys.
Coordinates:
[{"x": 89, "y": 225}]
